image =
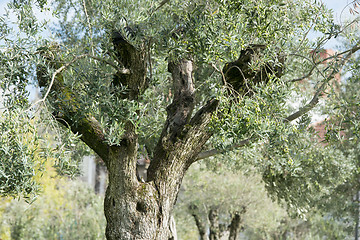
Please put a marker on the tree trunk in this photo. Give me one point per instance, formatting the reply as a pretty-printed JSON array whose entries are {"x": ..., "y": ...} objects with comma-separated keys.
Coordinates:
[
  {"x": 133, "y": 209},
  {"x": 136, "y": 210},
  {"x": 194, "y": 211},
  {"x": 235, "y": 224},
  {"x": 214, "y": 224}
]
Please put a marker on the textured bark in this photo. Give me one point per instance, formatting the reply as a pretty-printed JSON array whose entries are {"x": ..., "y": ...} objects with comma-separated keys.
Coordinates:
[
  {"x": 132, "y": 59},
  {"x": 181, "y": 140},
  {"x": 235, "y": 224},
  {"x": 194, "y": 211},
  {"x": 133, "y": 209},
  {"x": 65, "y": 101},
  {"x": 214, "y": 224},
  {"x": 181, "y": 136}
]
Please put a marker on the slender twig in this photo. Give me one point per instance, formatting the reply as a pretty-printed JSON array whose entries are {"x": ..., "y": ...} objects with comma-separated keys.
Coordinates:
[
  {"x": 121, "y": 70},
  {"x": 342, "y": 11},
  {"x": 59, "y": 70},
  {"x": 306, "y": 34},
  {"x": 221, "y": 72},
  {"x": 318, "y": 92},
  {"x": 315, "y": 64},
  {"x": 232, "y": 90},
  {"x": 311, "y": 70},
  {"x": 89, "y": 26}
]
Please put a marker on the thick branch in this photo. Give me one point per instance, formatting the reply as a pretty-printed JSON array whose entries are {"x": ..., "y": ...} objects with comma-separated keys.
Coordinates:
[
  {"x": 185, "y": 149},
  {"x": 214, "y": 152},
  {"x": 133, "y": 59},
  {"x": 178, "y": 112},
  {"x": 67, "y": 106},
  {"x": 91, "y": 133},
  {"x": 182, "y": 138},
  {"x": 202, "y": 119}
]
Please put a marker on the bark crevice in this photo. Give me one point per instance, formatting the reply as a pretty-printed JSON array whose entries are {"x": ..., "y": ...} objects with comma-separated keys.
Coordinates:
[{"x": 133, "y": 59}]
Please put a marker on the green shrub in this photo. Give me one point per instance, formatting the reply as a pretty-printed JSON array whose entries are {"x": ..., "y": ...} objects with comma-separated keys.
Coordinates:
[{"x": 65, "y": 210}]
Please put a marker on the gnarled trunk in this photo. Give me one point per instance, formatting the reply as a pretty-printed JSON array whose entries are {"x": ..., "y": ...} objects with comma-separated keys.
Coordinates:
[
  {"x": 136, "y": 209},
  {"x": 142, "y": 210}
]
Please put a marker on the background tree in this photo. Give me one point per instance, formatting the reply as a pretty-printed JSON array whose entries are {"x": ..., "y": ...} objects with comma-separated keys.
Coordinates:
[
  {"x": 342, "y": 132},
  {"x": 65, "y": 210},
  {"x": 104, "y": 77},
  {"x": 221, "y": 205},
  {"x": 241, "y": 198}
]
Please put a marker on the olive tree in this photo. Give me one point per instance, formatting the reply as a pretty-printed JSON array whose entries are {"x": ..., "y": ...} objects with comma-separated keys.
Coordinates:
[{"x": 183, "y": 79}]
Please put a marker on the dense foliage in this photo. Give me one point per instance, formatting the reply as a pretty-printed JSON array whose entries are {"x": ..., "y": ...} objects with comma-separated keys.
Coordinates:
[
  {"x": 84, "y": 63},
  {"x": 228, "y": 193},
  {"x": 260, "y": 218}
]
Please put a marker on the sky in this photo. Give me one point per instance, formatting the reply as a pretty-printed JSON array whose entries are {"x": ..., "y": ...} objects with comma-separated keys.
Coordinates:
[
  {"x": 341, "y": 13},
  {"x": 338, "y": 6}
]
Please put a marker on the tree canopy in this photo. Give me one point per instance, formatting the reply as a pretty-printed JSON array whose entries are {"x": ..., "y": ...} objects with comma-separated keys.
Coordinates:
[{"x": 184, "y": 80}]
